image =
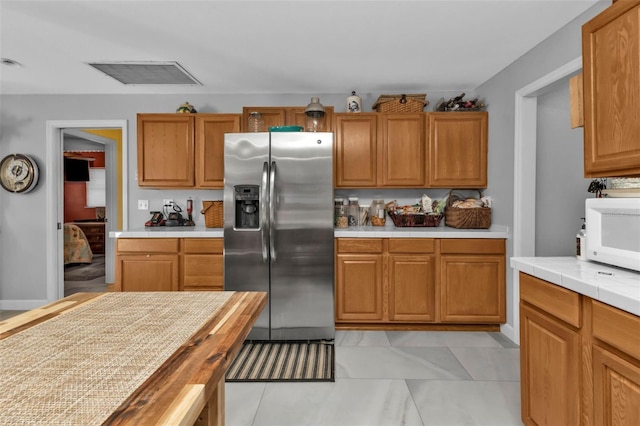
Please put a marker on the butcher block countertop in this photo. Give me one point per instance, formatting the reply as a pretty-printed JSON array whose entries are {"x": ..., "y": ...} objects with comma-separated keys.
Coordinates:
[
  {"x": 387, "y": 231},
  {"x": 137, "y": 358},
  {"x": 616, "y": 287}
]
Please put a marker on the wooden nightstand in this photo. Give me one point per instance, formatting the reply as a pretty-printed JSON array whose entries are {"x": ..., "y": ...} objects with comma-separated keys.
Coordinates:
[{"x": 94, "y": 231}]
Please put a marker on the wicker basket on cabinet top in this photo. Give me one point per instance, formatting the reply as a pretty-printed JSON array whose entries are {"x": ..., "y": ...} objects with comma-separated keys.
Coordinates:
[{"x": 401, "y": 103}]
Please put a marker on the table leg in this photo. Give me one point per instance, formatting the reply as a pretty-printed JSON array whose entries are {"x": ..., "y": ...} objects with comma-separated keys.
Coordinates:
[{"x": 213, "y": 413}]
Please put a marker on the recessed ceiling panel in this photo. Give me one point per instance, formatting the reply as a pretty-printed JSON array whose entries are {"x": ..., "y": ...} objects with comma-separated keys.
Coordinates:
[{"x": 146, "y": 72}]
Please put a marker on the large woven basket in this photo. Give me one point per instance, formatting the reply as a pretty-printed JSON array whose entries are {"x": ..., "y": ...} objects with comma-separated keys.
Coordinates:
[
  {"x": 470, "y": 218},
  {"x": 415, "y": 220},
  {"x": 401, "y": 103},
  {"x": 213, "y": 212}
]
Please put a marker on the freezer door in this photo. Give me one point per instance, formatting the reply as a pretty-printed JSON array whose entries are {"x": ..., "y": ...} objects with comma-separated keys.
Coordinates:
[
  {"x": 302, "y": 236},
  {"x": 246, "y": 263}
]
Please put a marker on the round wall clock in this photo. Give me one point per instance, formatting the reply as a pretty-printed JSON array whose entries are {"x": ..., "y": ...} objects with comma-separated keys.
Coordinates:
[{"x": 18, "y": 173}]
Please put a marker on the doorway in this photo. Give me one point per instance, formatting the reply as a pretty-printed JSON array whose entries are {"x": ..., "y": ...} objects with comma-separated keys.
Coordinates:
[
  {"x": 116, "y": 193},
  {"x": 524, "y": 206}
]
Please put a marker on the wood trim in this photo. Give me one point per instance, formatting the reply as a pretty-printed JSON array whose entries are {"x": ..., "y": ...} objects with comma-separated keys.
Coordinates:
[
  {"x": 147, "y": 245},
  {"x": 472, "y": 246},
  {"x": 618, "y": 328},
  {"x": 359, "y": 245},
  {"x": 417, "y": 327},
  {"x": 557, "y": 301},
  {"x": 412, "y": 245}
]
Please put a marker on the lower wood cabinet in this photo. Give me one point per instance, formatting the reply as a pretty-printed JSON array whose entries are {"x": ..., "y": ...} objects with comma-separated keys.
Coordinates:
[
  {"x": 398, "y": 280},
  {"x": 169, "y": 264},
  {"x": 616, "y": 366},
  {"x": 202, "y": 264},
  {"x": 579, "y": 358},
  {"x": 549, "y": 369},
  {"x": 411, "y": 274},
  {"x": 359, "y": 280},
  {"x": 147, "y": 264},
  {"x": 472, "y": 281}
]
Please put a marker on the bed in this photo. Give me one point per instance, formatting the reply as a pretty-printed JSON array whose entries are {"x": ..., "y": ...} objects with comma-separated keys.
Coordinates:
[{"x": 76, "y": 245}]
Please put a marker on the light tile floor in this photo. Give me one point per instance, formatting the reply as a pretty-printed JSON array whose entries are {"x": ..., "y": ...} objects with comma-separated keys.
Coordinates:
[{"x": 395, "y": 378}]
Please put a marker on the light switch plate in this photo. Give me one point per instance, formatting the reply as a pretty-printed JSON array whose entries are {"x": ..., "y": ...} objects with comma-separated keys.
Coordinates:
[{"x": 143, "y": 204}]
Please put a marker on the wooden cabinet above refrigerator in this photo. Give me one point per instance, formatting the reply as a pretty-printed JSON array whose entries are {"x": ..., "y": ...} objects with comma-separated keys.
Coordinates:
[{"x": 183, "y": 150}]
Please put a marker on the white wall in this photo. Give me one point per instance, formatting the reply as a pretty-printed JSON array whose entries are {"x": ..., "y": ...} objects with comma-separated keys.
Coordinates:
[{"x": 560, "y": 184}]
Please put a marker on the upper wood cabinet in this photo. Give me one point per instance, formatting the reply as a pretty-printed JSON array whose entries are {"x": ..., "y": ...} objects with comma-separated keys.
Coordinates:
[
  {"x": 458, "y": 147},
  {"x": 411, "y": 150},
  {"x": 166, "y": 150},
  {"x": 576, "y": 103},
  {"x": 168, "y": 145},
  {"x": 210, "y": 130},
  {"x": 379, "y": 150},
  {"x": 611, "y": 66},
  {"x": 356, "y": 150},
  {"x": 401, "y": 152},
  {"x": 283, "y": 116}
]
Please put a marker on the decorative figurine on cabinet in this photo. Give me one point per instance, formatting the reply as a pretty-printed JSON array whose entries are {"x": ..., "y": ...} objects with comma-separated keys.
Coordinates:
[{"x": 354, "y": 102}]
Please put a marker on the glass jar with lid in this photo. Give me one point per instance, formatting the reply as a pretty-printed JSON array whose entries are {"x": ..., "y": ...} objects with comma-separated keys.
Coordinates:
[
  {"x": 340, "y": 219},
  {"x": 377, "y": 213},
  {"x": 353, "y": 211},
  {"x": 255, "y": 122}
]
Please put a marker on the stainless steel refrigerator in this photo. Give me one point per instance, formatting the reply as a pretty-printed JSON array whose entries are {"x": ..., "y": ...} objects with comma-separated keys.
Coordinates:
[{"x": 278, "y": 230}]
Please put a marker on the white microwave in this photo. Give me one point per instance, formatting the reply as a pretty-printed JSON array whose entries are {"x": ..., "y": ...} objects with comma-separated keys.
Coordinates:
[{"x": 613, "y": 231}]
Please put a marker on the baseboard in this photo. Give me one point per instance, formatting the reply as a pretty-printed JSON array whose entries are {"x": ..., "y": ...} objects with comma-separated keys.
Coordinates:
[
  {"x": 21, "y": 305},
  {"x": 509, "y": 333}
]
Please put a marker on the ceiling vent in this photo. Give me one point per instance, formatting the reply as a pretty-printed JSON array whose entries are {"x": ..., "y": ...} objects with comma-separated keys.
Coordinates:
[{"x": 136, "y": 73}]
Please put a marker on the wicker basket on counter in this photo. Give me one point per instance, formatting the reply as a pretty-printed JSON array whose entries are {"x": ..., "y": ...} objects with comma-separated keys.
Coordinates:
[
  {"x": 401, "y": 103},
  {"x": 466, "y": 218},
  {"x": 213, "y": 212},
  {"x": 415, "y": 220}
]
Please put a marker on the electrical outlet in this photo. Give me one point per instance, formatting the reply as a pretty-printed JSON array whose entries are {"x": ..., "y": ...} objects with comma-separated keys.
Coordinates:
[
  {"x": 167, "y": 202},
  {"x": 143, "y": 204}
]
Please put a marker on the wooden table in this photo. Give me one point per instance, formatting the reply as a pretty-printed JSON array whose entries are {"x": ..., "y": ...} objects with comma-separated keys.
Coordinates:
[{"x": 186, "y": 387}]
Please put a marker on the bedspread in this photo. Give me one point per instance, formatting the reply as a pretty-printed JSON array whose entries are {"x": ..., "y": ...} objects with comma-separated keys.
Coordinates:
[{"x": 76, "y": 245}]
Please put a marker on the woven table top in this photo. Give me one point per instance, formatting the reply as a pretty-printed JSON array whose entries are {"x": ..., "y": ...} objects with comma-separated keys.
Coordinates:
[{"x": 78, "y": 367}]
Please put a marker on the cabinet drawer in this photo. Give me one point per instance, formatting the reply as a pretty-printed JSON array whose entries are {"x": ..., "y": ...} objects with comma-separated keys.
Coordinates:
[
  {"x": 616, "y": 327},
  {"x": 472, "y": 245},
  {"x": 412, "y": 245},
  {"x": 148, "y": 245},
  {"x": 203, "y": 245},
  {"x": 557, "y": 301},
  {"x": 360, "y": 245}
]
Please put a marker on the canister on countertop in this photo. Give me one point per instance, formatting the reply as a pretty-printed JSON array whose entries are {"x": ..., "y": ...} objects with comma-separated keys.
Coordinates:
[
  {"x": 363, "y": 216},
  {"x": 353, "y": 211},
  {"x": 340, "y": 213},
  {"x": 377, "y": 213}
]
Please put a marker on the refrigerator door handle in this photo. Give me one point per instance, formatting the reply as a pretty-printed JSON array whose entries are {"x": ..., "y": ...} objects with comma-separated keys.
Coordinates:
[
  {"x": 264, "y": 215},
  {"x": 272, "y": 212}
]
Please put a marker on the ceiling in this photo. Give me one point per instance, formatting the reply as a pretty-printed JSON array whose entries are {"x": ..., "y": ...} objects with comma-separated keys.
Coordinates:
[{"x": 263, "y": 47}]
